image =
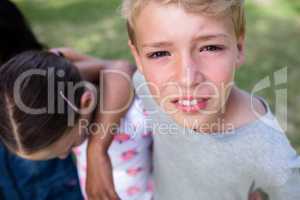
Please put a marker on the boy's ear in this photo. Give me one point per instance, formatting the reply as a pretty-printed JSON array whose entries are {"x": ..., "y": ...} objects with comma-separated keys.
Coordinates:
[
  {"x": 135, "y": 53},
  {"x": 241, "y": 50}
]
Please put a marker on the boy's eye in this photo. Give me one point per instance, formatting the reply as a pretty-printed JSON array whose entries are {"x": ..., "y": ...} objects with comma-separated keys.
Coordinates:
[
  {"x": 211, "y": 48},
  {"x": 158, "y": 54}
]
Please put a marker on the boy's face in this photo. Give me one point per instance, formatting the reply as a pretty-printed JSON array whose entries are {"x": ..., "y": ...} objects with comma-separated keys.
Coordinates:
[{"x": 188, "y": 59}]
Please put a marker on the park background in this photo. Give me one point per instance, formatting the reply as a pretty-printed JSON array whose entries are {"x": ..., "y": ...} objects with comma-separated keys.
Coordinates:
[{"x": 273, "y": 42}]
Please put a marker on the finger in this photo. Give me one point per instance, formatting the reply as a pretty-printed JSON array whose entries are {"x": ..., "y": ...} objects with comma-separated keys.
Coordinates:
[
  {"x": 69, "y": 53},
  {"x": 57, "y": 52},
  {"x": 95, "y": 196},
  {"x": 105, "y": 196},
  {"x": 113, "y": 195}
]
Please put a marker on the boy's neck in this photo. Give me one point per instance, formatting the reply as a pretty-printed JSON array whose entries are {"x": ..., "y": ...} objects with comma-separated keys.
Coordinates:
[
  {"x": 222, "y": 121},
  {"x": 240, "y": 109}
]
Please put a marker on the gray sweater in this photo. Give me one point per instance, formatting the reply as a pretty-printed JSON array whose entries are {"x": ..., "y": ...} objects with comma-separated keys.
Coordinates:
[{"x": 221, "y": 166}]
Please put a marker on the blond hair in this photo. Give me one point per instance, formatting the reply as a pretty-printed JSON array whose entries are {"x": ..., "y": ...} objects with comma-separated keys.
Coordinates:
[{"x": 235, "y": 8}]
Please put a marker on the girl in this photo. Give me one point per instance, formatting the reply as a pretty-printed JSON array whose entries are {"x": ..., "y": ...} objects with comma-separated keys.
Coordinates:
[
  {"x": 46, "y": 134},
  {"x": 24, "y": 179}
]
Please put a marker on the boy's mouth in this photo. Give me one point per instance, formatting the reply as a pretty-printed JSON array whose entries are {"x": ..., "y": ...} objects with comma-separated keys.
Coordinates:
[{"x": 190, "y": 104}]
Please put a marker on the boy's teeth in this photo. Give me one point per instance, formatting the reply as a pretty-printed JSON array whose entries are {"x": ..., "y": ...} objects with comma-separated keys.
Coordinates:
[
  {"x": 194, "y": 102},
  {"x": 188, "y": 102}
]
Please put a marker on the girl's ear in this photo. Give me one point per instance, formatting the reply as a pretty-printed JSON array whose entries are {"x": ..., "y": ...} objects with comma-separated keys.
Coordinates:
[
  {"x": 241, "y": 50},
  {"x": 87, "y": 99},
  {"x": 136, "y": 55}
]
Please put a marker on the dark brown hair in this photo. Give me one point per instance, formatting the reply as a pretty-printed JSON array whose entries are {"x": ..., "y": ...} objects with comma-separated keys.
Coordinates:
[
  {"x": 15, "y": 32},
  {"x": 25, "y": 132}
]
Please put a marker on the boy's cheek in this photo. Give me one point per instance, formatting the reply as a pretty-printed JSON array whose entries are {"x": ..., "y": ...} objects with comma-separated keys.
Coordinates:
[
  {"x": 220, "y": 75},
  {"x": 155, "y": 76}
]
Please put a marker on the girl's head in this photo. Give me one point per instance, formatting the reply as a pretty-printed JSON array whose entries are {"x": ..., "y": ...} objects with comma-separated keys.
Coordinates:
[
  {"x": 35, "y": 104},
  {"x": 15, "y": 33}
]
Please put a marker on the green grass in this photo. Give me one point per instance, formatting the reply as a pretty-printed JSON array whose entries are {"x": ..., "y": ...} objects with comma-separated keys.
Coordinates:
[
  {"x": 95, "y": 27},
  {"x": 273, "y": 43},
  {"x": 91, "y": 26}
]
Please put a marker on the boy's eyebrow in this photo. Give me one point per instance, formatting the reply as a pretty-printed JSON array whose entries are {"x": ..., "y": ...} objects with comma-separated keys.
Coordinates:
[
  {"x": 197, "y": 38},
  {"x": 157, "y": 44},
  {"x": 210, "y": 37}
]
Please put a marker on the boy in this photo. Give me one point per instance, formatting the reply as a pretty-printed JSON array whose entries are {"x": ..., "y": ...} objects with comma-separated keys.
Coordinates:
[
  {"x": 188, "y": 51},
  {"x": 231, "y": 145}
]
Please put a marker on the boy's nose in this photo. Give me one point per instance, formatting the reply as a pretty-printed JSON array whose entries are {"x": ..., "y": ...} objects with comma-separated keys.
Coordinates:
[{"x": 190, "y": 75}]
